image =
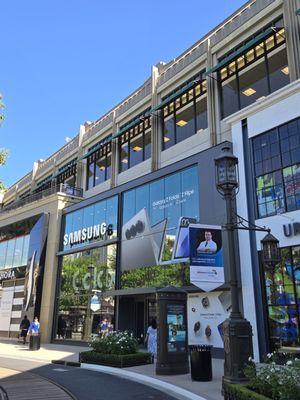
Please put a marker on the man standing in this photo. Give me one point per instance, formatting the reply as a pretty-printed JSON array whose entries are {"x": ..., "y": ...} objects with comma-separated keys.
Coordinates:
[
  {"x": 208, "y": 245},
  {"x": 24, "y": 326}
]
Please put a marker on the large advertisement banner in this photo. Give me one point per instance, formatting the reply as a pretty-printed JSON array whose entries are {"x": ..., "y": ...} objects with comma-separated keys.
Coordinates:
[
  {"x": 206, "y": 314},
  {"x": 206, "y": 256}
]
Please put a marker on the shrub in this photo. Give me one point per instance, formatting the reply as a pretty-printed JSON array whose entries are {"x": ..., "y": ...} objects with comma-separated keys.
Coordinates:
[
  {"x": 115, "y": 343},
  {"x": 275, "y": 381},
  {"x": 281, "y": 358},
  {"x": 114, "y": 360},
  {"x": 241, "y": 392}
]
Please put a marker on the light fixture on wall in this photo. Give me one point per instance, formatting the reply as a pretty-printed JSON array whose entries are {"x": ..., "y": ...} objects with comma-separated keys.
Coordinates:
[
  {"x": 166, "y": 139},
  {"x": 102, "y": 168},
  {"x": 285, "y": 70},
  {"x": 125, "y": 161},
  {"x": 249, "y": 92},
  {"x": 137, "y": 148},
  {"x": 181, "y": 123}
]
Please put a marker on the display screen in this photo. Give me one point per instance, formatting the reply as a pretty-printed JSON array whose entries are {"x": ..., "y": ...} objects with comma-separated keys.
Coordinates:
[{"x": 176, "y": 326}]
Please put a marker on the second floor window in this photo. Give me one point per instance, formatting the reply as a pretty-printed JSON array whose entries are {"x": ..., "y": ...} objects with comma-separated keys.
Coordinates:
[
  {"x": 185, "y": 115},
  {"x": 99, "y": 166},
  {"x": 276, "y": 156},
  {"x": 135, "y": 145},
  {"x": 255, "y": 74}
]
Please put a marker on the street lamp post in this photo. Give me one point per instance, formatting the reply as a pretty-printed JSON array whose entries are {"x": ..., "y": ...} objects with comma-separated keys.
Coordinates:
[
  {"x": 88, "y": 319},
  {"x": 237, "y": 330}
]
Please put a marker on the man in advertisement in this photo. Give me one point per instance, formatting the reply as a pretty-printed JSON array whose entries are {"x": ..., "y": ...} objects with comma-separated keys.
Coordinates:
[{"x": 207, "y": 245}]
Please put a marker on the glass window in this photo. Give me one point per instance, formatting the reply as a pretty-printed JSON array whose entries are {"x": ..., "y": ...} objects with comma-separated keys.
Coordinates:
[
  {"x": 100, "y": 167},
  {"x": 124, "y": 157},
  {"x": 74, "y": 320},
  {"x": 142, "y": 199},
  {"x": 291, "y": 176},
  {"x": 147, "y": 145},
  {"x": 17, "y": 261},
  {"x": 230, "y": 97},
  {"x": 10, "y": 253},
  {"x": 278, "y": 69},
  {"x": 201, "y": 114},
  {"x": 25, "y": 250},
  {"x": 136, "y": 150},
  {"x": 128, "y": 205},
  {"x": 112, "y": 214},
  {"x": 91, "y": 174},
  {"x": 169, "y": 133},
  {"x": 88, "y": 217},
  {"x": 253, "y": 83},
  {"x": 108, "y": 166},
  {"x": 3, "y": 247},
  {"x": 185, "y": 123}
]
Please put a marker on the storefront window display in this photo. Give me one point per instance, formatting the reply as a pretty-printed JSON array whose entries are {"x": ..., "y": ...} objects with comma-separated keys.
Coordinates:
[
  {"x": 283, "y": 299},
  {"x": 77, "y": 286},
  {"x": 91, "y": 224},
  {"x": 152, "y": 219}
]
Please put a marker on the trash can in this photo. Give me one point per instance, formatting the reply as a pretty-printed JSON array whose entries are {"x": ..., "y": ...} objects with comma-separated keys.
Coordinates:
[
  {"x": 34, "y": 342},
  {"x": 201, "y": 368}
]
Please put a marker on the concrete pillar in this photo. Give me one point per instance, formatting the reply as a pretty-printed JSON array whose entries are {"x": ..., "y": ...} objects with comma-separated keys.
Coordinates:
[
  {"x": 211, "y": 90},
  {"x": 81, "y": 165},
  {"x": 156, "y": 123},
  {"x": 114, "y": 154},
  {"x": 292, "y": 26}
]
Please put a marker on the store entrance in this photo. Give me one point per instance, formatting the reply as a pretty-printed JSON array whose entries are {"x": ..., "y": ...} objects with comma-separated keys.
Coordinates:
[{"x": 136, "y": 313}]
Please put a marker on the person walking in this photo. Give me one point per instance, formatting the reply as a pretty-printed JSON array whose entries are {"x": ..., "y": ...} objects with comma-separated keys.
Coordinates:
[
  {"x": 24, "y": 326},
  {"x": 34, "y": 328},
  {"x": 151, "y": 339}
]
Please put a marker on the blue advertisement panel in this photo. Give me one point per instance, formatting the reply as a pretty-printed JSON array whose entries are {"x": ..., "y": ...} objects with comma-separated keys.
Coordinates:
[
  {"x": 176, "y": 328},
  {"x": 206, "y": 256}
]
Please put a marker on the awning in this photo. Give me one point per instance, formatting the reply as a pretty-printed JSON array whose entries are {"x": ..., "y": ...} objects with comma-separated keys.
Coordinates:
[
  {"x": 97, "y": 147},
  {"x": 173, "y": 96},
  {"x": 46, "y": 180},
  {"x": 242, "y": 50},
  {"x": 65, "y": 168}
]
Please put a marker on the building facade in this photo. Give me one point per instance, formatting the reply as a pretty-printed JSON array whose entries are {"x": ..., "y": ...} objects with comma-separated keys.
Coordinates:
[{"x": 117, "y": 196}]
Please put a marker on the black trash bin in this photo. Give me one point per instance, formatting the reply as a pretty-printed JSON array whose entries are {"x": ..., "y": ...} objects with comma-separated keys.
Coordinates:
[
  {"x": 34, "y": 342},
  {"x": 201, "y": 368}
]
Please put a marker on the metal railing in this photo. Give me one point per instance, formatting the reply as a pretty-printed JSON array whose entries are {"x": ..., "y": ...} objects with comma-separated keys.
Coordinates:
[{"x": 61, "y": 188}]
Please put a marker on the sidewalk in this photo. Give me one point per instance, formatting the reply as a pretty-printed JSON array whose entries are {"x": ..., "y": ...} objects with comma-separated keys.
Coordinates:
[{"x": 144, "y": 374}]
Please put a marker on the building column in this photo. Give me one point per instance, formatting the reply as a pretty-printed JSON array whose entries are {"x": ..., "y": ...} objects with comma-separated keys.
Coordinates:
[
  {"x": 114, "y": 155},
  {"x": 81, "y": 164},
  {"x": 211, "y": 89},
  {"x": 156, "y": 122},
  {"x": 292, "y": 25}
]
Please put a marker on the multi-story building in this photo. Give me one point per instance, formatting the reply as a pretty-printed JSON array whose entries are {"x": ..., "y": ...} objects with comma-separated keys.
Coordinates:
[{"x": 119, "y": 194}]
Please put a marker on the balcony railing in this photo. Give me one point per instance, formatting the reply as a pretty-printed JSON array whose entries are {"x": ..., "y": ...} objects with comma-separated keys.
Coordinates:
[{"x": 61, "y": 188}]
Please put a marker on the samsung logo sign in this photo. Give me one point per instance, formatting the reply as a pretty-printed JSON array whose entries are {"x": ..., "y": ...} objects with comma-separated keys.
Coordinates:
[{"x": 86, "y": 234}]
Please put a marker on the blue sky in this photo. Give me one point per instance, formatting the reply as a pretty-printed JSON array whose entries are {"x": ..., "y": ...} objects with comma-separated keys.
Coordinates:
[{"x": 66, "y": 62}]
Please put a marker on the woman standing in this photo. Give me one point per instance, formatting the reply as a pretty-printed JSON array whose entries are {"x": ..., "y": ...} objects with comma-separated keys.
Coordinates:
[{"x": 151, "y": 339}]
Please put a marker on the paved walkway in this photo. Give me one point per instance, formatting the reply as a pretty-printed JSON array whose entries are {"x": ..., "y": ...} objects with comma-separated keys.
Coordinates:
[
  {"x": 49, "y": 352},
  {"x": 16, "y": 385}
]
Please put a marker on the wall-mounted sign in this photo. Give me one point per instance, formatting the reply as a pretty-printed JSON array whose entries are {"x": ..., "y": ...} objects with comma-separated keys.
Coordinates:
[
  {"x": 206, "y": 256},
  {"x": 98, "y": 231},
  {"x": 176, "y": 328},
  {"x": 291, "y": 229}
]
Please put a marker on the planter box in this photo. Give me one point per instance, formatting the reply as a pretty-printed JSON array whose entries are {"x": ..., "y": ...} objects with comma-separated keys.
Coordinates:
[
  {"x": 241, "y": 392},
  {"x": 114, "y": 360}
]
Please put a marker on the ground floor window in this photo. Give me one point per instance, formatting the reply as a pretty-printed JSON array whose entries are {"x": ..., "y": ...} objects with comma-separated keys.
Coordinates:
[
  {"x": 283, "y": 299},
  {"x": 83, "y": 307}
]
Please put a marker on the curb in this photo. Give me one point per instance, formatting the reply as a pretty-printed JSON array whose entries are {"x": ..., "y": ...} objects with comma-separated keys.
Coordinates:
[{"x": 168, "y": 388}]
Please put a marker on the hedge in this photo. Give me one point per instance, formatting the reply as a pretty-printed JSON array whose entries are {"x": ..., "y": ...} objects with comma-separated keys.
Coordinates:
[
  {"x": 241, "y": 392},
  {"x": 114, "y": 360}
]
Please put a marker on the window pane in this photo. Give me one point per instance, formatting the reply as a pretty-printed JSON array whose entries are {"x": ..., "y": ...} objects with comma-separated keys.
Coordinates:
[
  {"x": 142, "y": 198},
  {"x": 185, "y": 123},
  {"x": 147, "y": 145},
  {"x": 17, "y": 262},
  {"x": 136, "y": 150},
  {"x": 25, "y": 250},
  {"x": 230, "y": 102},
  {"x": 278, "y": 69},
  {"x": 10, "y": 253},
  {"x": 169, "y": 133},
  {"x": 124, "y": 157},
  {"x": 253, "y": 83},
  {"x": 156, "y": 195},
  {"x": 100, "y": 171},
  {"x": 112, "y": 214},
  {"x": 90, "y": 177},
  {"x": 88, "y": 217},
  {"x": 3, "y": 247},
  {"x": 128, "y": 205},
  {"x": 108, "y": 166},
  {"x": 201, "y": 114}
]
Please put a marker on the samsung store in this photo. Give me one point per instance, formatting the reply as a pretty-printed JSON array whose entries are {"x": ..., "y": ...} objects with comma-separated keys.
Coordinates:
[{"x": 118, "y": 247}]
